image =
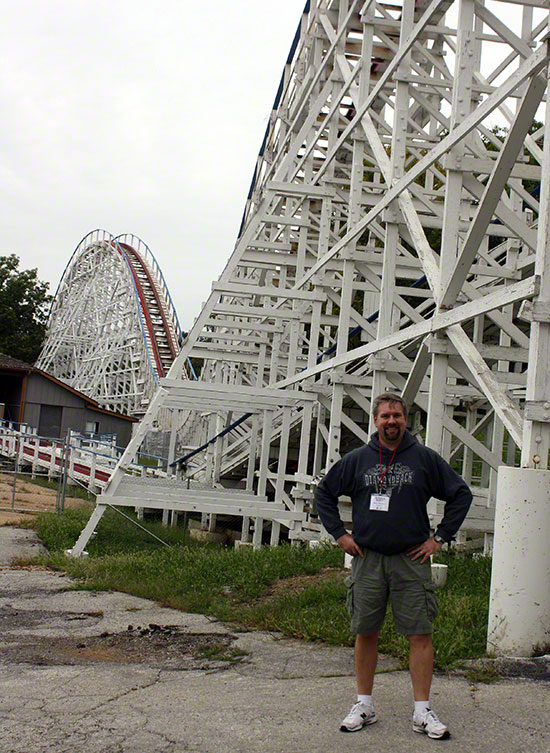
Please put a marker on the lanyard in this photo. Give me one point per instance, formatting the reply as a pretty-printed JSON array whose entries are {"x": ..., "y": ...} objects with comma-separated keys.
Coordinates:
[{"x": 383, "y": 475}]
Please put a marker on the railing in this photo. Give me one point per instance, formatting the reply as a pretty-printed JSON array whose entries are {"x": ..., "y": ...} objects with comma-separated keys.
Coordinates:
[{"x": 81, "y": 457}]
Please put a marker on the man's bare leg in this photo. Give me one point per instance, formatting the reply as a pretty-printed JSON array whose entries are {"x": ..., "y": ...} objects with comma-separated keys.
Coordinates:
[
  {"x": 366, "y": 657},
  {"x": 421, "y": 663}
]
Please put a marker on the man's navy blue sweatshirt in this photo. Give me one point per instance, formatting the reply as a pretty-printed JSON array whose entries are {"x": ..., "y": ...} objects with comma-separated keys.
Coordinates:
[{"x": 416, "y": 474}]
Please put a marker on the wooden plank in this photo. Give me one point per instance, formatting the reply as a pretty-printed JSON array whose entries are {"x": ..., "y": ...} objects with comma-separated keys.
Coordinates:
[
  {"x": 238, "y": 288},
  {"x": 299, "y": 189},
  {"x": 262, "y": 312},
  {"x": 204, "y": 507},
  {"x": 259, "y": 397},
  {"x": 505, "y": 408}
]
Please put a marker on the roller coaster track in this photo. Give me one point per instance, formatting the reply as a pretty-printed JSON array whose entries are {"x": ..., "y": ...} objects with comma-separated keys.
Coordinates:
[
  {"x": 113, "y": 331},
  {"x": 160, "y": 333}
]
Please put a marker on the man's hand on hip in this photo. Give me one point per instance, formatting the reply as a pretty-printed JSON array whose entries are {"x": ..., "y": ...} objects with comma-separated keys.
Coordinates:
[
  {"x": 349, "y": 545},
  {"x": 425, "y": 550}
]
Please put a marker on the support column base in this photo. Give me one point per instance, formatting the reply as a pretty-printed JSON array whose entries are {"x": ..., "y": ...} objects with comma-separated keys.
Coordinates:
[{"x": 519, "y": 613}]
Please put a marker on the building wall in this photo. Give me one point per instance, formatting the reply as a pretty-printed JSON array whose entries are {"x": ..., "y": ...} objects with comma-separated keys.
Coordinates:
[
  {"x": 42, "y": 394},
  {"x": 31, "y": 414},
  {"x": 43, "y": 391},
  {"x": 112, "y": 425}
]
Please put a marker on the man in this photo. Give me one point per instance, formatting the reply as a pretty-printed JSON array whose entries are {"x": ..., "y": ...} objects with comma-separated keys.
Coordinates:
[{"x": 390, "y": 481}]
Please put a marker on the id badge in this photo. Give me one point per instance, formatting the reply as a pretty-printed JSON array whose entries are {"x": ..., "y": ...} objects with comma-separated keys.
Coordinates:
[{"x": 380, "y": 502}]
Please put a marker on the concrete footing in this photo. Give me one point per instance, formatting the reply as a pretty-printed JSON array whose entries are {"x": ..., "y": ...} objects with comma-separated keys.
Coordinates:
[{"x": 519, "y": 614}]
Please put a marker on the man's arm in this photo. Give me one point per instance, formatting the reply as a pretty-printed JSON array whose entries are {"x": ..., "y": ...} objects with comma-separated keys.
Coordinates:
[
  {"x": 454, "y": 491},
  {"x": 326, "y": 501},
  {"x": 332, "y": 486}
]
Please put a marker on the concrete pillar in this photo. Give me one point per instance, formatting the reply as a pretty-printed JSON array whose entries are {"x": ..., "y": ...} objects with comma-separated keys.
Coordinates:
[{"x": 519, "y": 612}]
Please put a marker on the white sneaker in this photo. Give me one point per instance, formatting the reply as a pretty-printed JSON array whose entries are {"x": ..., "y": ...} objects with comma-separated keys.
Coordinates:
[
  {"x": 360, "y": 715},
  {"x": 429, "y": 724}
]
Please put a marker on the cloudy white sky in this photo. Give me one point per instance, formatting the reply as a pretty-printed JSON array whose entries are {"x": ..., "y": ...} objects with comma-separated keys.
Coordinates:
[{"x": 136, "y": 117}]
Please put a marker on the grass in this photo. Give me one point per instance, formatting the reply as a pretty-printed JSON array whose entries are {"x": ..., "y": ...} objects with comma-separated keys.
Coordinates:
[
  {"x": 71, "y": 491},
  {"x": 150, "y": 461},
  {"x": 486, "y": 675},
  {"x": 220, "y": 652},
  {"x": 115, "y": 533},
  {"x": 291, "y": 589}
]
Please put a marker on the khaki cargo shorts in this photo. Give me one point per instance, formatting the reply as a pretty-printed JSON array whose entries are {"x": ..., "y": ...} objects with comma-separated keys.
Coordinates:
[{"x": 408, "y": 584}]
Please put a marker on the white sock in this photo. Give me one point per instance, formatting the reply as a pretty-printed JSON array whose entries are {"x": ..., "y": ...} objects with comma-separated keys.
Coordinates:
[
  {"x": 366, "y": 699},
  {"x": 420, "y": 707}
]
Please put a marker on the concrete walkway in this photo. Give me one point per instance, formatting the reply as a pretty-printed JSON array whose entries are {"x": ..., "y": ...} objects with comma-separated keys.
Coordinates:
[
  {"x": 96, "y": 672},
  {"x": 18, "y": 542}
]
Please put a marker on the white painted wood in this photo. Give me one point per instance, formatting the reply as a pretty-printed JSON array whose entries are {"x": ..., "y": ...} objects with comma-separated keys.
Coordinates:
[{"x": 502, "y": 404}]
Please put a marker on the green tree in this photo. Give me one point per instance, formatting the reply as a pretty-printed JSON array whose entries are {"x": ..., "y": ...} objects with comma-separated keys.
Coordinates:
[{"x": 24, "y": 304}]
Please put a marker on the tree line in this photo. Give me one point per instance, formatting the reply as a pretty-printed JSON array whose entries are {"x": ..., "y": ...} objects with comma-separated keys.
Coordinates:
[{"x": 24, "y": 306}]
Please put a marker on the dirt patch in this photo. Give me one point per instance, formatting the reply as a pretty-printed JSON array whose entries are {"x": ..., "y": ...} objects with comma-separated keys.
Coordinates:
[
  {"x": 160, "y": 646},
  {"x": 298, "y": 583},
  {"x": 11, "y": 618},
  {"x": 28, "y": 500},
  {"x": 491, "y": 670}
]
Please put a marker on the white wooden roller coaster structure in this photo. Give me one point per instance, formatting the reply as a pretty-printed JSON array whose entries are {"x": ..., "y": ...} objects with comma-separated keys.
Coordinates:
[{"x": 113, "y": 331}]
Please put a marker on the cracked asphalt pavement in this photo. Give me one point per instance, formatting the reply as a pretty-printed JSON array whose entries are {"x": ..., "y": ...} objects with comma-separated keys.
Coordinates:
[{"x": 97, "y": 672}]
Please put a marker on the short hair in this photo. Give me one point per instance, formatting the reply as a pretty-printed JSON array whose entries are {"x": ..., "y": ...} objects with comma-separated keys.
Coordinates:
[{"x": 388, "y": 397}]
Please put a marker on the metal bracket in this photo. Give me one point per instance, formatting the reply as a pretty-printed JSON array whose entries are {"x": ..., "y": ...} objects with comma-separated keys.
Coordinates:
[{"x": 537, "y": 410}]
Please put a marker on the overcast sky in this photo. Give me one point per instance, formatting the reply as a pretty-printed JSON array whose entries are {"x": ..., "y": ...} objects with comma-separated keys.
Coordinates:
[{"x": 136, "y": 117}]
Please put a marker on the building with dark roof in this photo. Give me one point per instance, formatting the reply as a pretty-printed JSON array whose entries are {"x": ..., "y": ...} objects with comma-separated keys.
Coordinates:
[{"x": 33, "y": 397}]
